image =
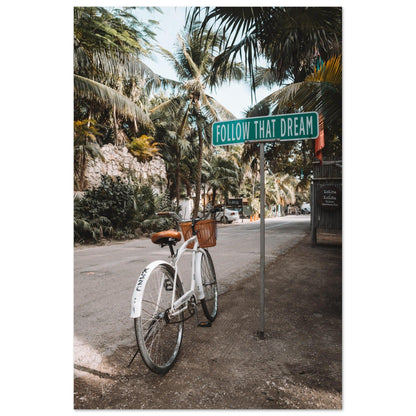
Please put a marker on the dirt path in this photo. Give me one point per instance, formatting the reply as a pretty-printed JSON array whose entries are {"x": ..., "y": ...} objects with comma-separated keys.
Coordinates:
[{"x": 298, "y": 365}]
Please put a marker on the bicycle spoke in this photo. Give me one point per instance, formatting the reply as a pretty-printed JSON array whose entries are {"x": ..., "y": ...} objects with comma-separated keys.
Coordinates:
[
  {"x": 159, "y": 340},
  {"x": 209, "y": 283}
]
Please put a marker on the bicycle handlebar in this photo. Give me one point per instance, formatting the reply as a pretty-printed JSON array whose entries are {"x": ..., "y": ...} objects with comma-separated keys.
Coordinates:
[
  {"x": 165, "y": 213},
  {"x": 178, "y": 218},
  {"x": 170, "y": 214}
]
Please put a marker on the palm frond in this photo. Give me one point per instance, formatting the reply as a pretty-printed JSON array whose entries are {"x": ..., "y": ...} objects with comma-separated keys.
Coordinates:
[
  {"x": 286, "y": 36},
  {"x": 221, "y": 112},
  {"x": 331, "y": 71},
  {"x": 227, "y": 71},
  {"x": 161, "y": 82},
  {"x": 321, "y": 92},
  {"x": 93, "y": 90},
  {"x": 182, "y": 74},
  {"x": 196, "y": 73},
  {"x": 246, "y": 49},
  {"x": 171, "y": 106},
  {"x": 110, "y": 62},
  {"x": 264, "y": 76}
]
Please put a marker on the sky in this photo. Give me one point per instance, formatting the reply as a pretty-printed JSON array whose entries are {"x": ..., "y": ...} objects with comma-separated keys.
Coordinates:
[{"x": 235, "y": 96}]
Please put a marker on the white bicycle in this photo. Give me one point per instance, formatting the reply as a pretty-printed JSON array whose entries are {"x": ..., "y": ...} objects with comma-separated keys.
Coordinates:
[{"x": 159, "y": 304}]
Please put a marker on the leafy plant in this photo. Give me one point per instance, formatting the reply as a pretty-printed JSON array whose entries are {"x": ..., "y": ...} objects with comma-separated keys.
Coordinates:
[
  {"x": 85, "y": 148},
  {"x": 148, "y": 205},
  {"x": 119, "y": 210},
  {"x": 144, "y": 148},
  {"x": 106, "y": 208}
]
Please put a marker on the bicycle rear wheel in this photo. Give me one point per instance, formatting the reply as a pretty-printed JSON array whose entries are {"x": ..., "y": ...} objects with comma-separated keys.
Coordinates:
[
  {"x": 158, "y": 336},
  {"x": 209, "y": 283}
]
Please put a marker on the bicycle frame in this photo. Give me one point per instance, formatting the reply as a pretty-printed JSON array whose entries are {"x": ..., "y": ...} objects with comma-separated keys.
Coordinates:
[
  {"x": 196, "y": 279},
  {"x": 178, "y": 305}
]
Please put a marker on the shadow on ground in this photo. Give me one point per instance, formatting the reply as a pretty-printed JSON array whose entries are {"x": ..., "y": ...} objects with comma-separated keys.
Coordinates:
[{"x": 297, "y": 366}]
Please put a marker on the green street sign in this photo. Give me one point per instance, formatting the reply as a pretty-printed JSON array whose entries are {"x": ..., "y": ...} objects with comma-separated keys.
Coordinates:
[{"x": 295, "y": 126}]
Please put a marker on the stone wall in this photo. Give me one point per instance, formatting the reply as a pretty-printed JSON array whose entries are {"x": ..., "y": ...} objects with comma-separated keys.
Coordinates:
[{"x": 119, "y": 162}]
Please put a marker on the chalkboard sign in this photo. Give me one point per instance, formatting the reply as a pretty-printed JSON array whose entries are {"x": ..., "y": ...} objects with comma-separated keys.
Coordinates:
[
  {"x": 330, "y": 197},
  {"x": 235, "y": 203}
]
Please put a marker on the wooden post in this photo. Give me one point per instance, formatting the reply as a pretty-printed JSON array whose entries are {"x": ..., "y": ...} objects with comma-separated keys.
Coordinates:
[{"x": 313, "y": 215}]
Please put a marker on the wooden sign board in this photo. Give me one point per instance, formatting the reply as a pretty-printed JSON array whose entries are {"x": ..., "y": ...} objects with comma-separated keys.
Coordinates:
[{"x": 330, "y": 197}]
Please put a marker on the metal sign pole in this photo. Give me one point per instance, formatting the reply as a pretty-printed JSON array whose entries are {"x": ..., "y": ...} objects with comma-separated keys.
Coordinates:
[
  {"x": 262, "y": 241},
  {"x": 267, "y": 129}
]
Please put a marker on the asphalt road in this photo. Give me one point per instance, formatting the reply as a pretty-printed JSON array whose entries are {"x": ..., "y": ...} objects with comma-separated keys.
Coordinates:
[{"x": 105, "y": 276}]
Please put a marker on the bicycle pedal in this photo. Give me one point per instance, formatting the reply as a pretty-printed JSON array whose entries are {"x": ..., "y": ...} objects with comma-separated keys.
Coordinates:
[
  {"x": 168, "y": 285},
  {"x": 205, "y": 324}
]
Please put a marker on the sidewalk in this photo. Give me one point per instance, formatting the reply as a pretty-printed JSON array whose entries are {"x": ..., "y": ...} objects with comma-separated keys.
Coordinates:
[{"x": 297, "y": 366}]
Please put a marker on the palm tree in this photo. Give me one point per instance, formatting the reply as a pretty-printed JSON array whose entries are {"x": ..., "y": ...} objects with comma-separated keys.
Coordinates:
[
  {"x": 101, "y": 95},
  {"x": 281, "y": 189},
  {"x": 193, "y": 62},
  {"x": 320, "y": 91},
  {"x": 221, "y": 175},
  {"x": 291, "y": 40},
  {"x": 85, "y": 146},
  {"x": 177, "y": 149},
  {"x": 287, "y": 37},
  {"x": 108, "y": 45}
]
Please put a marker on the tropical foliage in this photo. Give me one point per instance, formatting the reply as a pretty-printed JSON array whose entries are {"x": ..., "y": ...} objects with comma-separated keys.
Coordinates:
[
  {"x": 177, "y": 147},
  {"x": 220, "y": 174},
  {"x": 293, "y": 41},
  {"x": 120, "y": 100},
  {"x": 85, "y": 146},
  {"x": 193, "y": 63},
  {"x": 144, "y": 148},
  {"x": 108, "y": 45},
  {"x": 118, "y": 209},
  {"x": 280, "y": 189},
  {"x": 287, "y": 37},
  {"x": 321, "y": 91}
]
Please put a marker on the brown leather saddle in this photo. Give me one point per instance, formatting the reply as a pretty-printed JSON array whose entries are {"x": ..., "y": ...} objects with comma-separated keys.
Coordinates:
[{"x": 166, "y": 237}]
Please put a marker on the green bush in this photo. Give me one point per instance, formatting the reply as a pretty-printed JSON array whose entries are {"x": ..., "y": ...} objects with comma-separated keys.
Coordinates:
[
  {"x": 93, "y": 229},
  {"x": 148, "y": 205},
  {"x": 119, "y": 210}
]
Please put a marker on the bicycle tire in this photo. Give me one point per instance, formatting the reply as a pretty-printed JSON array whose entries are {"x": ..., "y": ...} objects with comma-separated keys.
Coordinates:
[
  {"x": 159, "y": 338},
  {"x": 209, "y": 282}
]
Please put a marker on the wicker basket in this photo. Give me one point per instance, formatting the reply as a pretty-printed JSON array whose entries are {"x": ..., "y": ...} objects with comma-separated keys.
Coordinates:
[{"x": 206, "y": 232}]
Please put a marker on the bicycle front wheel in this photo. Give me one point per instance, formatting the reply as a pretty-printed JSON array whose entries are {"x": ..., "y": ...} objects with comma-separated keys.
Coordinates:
[
  {"x": 158, "y": 335},
  {"x": 209, "y": 283}
]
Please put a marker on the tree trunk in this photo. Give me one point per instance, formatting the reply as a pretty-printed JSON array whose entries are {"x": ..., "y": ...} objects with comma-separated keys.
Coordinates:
[
  {"x": 198, "y": 173},
  {"x": 214, "y": 195},
  {"x": 115, "y": 125},
  {"x": 188, "y": 187},
  {"x": 177, "y": 183},
  {"x": 203, "y": 200},
  {"x": 83, "y": 167}
]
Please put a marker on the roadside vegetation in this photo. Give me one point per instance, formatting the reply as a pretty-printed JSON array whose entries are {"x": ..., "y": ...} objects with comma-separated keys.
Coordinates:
[
  {"x": 120, "y": 100},
  {"x": 118, "y": 210}
]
